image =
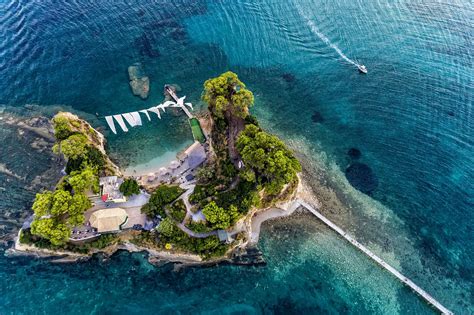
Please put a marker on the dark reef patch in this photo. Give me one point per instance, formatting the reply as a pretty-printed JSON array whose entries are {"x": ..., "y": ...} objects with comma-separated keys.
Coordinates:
[
  {"x": 288, "y": 77},
  {"x": 361, "y": 177},
  {"x": 317, "y": 118},
  {"x": 354, "y": 153}
]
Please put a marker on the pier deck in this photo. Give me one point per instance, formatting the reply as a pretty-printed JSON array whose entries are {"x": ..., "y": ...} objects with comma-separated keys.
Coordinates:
[
  {"x": 377, "y": 259},
  {"x": 176, "y": 99}
]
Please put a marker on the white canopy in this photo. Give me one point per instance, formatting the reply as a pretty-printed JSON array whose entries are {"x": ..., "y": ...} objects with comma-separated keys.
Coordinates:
[
  {"x": 134, "y": 118},
  {"x": 110, "y": 122},
  {"x": 121, "y": 123},
  {"x": 144, "y": 111}
]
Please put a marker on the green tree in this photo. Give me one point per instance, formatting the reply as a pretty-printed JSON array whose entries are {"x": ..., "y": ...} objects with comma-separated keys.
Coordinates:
[
  {"x": 162, "y": 196},
  {"x": 62, "y": 128},
  {"x": 56, "y": 212},
  {"x": 216, "y": 216},
  {"x": 129, "y": 187},
  {"x": 48, "y": 228},
  {"x": 268, "y": 157},
  {"x": 79, "y": 204},
  {"x": 167, "y": 228},
  {"x": 83, "y": 180},
  {"x": 227, "y": 93},
  {"x": 43, "y": 203},
  {"x": 61, "y": 202},
  {"x": 74, "y": 147},
  {"x": 233, "y": 213}
]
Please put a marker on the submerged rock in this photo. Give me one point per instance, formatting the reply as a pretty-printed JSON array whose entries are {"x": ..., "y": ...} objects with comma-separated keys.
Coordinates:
[
  {"x": 354, "y": 153},
  {"x": 139, "y": 82},
  {"x": 317, "y": 118},
  {"x": 361, "y": 177},
  {"x": 288, "y": 77},
  {"x": 250, "y": 256}
]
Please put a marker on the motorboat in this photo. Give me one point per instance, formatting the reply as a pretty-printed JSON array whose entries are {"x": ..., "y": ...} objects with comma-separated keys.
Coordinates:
[{"x": 362, "y": 69}]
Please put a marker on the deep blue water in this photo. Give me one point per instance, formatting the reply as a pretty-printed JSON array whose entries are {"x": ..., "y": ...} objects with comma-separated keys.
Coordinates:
[{"x": 411, "y": 118}]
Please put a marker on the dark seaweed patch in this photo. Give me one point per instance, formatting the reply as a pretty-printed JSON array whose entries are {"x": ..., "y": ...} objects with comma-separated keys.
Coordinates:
[
  {"x": 317, "y": 117},
  {"x": 361, "y": 177}
]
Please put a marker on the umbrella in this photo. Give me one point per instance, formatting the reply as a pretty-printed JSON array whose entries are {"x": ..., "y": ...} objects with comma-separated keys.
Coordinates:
[
  {"x": 162, "y": 170},
  {"x": 174, "y": 164}
]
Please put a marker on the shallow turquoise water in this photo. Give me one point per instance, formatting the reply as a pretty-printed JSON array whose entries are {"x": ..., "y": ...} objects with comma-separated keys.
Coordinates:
[{"x": 411, "y": 117}]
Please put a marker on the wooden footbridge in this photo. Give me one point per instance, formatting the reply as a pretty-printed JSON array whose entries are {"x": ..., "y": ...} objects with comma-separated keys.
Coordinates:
[
  {"x": 179, "y": 101},
  {"x": 374, "y": 257}
]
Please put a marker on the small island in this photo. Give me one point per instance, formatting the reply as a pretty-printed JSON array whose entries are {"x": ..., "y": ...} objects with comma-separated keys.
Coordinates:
[{"x": 199, "y": 208}]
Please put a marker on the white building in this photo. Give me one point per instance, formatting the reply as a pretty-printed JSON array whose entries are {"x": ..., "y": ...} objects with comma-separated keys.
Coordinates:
[{"x": 110, "y": 189}]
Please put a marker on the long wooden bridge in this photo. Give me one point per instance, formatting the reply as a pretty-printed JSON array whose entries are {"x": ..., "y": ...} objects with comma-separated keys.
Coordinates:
[{"x": 374, "y": 257}]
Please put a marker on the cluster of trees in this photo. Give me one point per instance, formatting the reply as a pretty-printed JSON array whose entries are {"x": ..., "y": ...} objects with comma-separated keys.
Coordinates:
[
  {"x": 84, "y": 179},
  {"x": 129, "y": 187},
  {"x": 104, "y": 240},
  {"x": 178, "y": 210},
  {"x": 57, "y": 212},
  {"x": 227, "y": 94},
  {"x": 162, "y": 196},
  {"x": 219, "y": 218},
  {"x": 75, "y": 146},
  {"x": 267, "y": 159},
  {"x": 205, "y": 247}
]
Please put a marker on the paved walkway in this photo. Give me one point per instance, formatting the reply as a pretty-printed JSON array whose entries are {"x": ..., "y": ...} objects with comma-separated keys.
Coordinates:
[{"x": 189, "y": 186}]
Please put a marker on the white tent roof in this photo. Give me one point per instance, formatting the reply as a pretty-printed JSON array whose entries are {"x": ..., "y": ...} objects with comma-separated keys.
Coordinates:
[{"x": 108, "y": 220}]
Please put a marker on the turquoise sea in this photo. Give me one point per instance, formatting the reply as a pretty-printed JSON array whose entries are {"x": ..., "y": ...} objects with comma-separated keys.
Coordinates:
[{"x": 409, "y": 197}]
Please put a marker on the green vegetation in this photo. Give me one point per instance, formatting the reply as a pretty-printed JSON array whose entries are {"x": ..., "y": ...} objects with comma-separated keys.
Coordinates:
[
  {"x": 224, "y": 192},
  {"x": 267, "y": 158},
  {"x": 56, "y": 213},
  {"x": 162, "y": 196},
  {"x": 74, "y": 147},
  {"x": 129, "y": 187},
  {"x": 198, "y": 227},
  {"x": 178, "y": 210},
  {"x": 226, "y": 94},
  {"x": 103, "y": 241},
  {"x": 205, "y": 247},
  {"x": 198, "y": 134},
  {"x": 83, "y": 180},
  {"x": 218, "y": 217},
  {"x": 62, "y": 128}
]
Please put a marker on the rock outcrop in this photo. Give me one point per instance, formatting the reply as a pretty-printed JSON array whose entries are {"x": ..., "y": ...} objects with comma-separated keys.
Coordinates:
[{"x": 139, "y": 82}]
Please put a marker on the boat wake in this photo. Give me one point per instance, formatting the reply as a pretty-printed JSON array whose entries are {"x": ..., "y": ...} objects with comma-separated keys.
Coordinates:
[{"x": 316, "y": 31}]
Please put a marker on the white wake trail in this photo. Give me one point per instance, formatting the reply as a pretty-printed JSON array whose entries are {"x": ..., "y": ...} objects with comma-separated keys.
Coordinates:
[{"x": 323, "y": 37}]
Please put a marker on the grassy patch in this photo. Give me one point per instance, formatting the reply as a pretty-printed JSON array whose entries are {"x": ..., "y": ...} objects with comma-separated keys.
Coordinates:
[{"x": 198, "y": 134}]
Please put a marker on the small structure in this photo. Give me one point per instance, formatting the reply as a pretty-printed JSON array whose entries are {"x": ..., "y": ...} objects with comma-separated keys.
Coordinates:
[
  {"x": 110, "y": 189},
  {"x": 224, "y": 236},
  {"x": 108, "y": 220}
]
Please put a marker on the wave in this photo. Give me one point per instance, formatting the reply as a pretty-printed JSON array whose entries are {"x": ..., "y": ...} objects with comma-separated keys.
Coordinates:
[{"x": 315, "y": 30}]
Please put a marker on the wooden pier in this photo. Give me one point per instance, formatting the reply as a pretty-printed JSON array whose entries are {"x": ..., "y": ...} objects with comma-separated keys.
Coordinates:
[
  {"x": 176, "y": 99},
  {"x": 377, "y": 259}
]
